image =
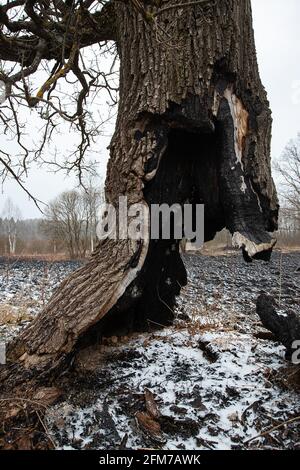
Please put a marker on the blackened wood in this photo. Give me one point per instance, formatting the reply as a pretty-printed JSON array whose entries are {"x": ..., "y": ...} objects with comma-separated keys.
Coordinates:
[{"x": 286, "y": 328}]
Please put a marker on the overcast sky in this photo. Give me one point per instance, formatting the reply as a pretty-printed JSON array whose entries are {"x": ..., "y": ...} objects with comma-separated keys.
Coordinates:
[{"x": 276, "y": 24}]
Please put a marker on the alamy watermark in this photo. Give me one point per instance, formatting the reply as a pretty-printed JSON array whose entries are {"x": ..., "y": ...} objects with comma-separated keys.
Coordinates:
[
  {"x": 296, "y": 353},
  {"x": 157, "y": 221}
]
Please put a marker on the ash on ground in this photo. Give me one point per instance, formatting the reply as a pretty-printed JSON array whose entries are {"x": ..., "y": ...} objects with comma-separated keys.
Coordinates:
[{"x": 215, "y": 380}]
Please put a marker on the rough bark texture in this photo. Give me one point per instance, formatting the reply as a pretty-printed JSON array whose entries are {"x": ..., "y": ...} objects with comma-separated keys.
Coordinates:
[
  {"x": 286, "y": 328},
  {"x": 194, "y": 125}
]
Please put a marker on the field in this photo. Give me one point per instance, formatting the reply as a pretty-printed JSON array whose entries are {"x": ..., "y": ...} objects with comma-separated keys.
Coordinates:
[{"x": 215, "y": 380}]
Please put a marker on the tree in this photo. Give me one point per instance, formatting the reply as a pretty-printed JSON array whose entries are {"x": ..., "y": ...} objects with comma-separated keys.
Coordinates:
[
  {"x": 289, "y": 169},
  {"x": 92, "y": 199},
  {"x": 72, "y": 218},
  {"x": 11, "y": 215},
  {"x": 67, "y": 221},
  {"x": 193, "y": 124}
]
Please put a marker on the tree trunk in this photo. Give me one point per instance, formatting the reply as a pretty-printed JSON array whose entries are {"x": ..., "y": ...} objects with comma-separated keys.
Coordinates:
[
  {"x": 12, "y": 240},
  {"x": 193, "y": 125}
]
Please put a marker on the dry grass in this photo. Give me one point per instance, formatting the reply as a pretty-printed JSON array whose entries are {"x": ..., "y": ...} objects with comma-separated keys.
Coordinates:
[
  {"x": 287, "y": 249},
  {"x": 10, "y": 315},
  {"x": 210, "y": 249},
  {"x": 51, "y": 258}
]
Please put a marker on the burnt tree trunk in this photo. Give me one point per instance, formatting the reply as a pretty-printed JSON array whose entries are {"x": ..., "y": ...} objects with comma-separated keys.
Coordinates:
[{"x": 194, "y": 125}]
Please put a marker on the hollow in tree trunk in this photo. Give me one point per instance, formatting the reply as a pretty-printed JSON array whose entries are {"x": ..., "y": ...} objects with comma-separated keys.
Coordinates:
[{"x": 193, "y": 125}]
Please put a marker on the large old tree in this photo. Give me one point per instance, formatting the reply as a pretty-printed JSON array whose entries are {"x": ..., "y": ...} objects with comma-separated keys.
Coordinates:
[{"x": 193, "y": 125}]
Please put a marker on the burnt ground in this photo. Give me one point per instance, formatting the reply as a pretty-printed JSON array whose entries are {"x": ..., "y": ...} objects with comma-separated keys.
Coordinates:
[
  {"x": 215, "y": 380},
  {"x": 25, "y": 287}
]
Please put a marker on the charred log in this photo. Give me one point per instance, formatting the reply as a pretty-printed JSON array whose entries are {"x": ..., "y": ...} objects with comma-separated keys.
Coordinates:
[{"x": 286, "y": 328}]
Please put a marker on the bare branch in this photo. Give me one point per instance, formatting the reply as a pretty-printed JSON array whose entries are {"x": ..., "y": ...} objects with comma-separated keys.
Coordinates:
[{"x": 31, "y": 34}]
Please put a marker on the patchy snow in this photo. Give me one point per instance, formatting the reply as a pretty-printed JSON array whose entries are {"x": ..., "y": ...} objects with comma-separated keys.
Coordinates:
[
  {"x": 216, "y": 384},
  {"x": 25, "y": 286},
  {"x": 203, "y": 404}
]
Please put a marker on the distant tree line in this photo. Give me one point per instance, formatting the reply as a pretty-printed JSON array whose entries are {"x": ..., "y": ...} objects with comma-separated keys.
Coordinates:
[
  {"x": 23, "y": 237},
  {"x": 68, "y": 226}
]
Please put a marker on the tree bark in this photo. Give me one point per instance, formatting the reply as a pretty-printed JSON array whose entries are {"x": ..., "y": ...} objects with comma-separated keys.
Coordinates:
[{"x": 193, "y": 125}]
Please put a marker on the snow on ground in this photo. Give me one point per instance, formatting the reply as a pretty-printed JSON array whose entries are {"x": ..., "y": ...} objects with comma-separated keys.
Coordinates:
[{"x": 214, "y": 384}]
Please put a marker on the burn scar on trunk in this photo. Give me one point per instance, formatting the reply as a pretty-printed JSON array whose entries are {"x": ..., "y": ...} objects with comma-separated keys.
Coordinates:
[
  {"x": 240, "y": 119},
  {"x": 242, "y": 206}
]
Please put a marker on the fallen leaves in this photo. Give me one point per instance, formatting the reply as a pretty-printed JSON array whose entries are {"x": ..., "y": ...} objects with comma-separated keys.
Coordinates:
[
  {"x": 149, "y": 427},
  {"x": 151, "y": 405},
  {"x": 148, "y": 421},
  {"x": 47, "y": 395}
]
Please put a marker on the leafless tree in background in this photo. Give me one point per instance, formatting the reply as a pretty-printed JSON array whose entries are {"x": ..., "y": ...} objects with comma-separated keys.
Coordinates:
[
  {"x": 72, "y": 218},
  {"x": 11, "y": 215},
  {"x": 92, "y": 198},
  {"x": 288, "y": 169}
]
